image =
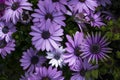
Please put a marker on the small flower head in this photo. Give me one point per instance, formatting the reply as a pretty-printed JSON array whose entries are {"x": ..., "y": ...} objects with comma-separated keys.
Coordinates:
[
  {"x": 6, "y": 48},
  {"x": 47, "y": 14},
  {"x": 30, "y": 60},
  {"x": 56, "y": 57},
  {"x": 43, "y": 73},
  {"x": 47, "y": 38},
  {"x": 73, "y": 49},
  {"x": 6, "y": 30},
  {"x": 25, "y": 17},
  {"x": 81, "y": 70},
  {"x": 60, "y": 5},
  {"x": 79, "y": 18},
  {"x": 14, "y": 9},
  {"x": 95, "y": 19},
  {"x": 95, "y": 47},
  {"x": 83, "y": 5}
]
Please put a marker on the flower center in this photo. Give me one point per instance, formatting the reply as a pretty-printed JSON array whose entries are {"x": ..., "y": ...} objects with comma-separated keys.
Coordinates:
[
  {"x": 82, "y": 0},
  {"x": 34, "y": 59},
  {"x": 55, "y": 0},
  {"x": 2, "y": 6},
  {"x": 15, "y": 6},
  {"x": 82, "y": 72},
  {"x": 5, "y": 30},
  {"x": 49, "y": 16},
  {"x": 77, "y": 51},
  {"x": 92, "y": 19},
  {"x": 25, "y": 16},
  {"x": 3, "y": 43},
  {"x": 46, "y": 78},
  {"x": 45, "y": 34},
  {"x": 95, "y": 48},
  {"x": 57, "y": 56}
]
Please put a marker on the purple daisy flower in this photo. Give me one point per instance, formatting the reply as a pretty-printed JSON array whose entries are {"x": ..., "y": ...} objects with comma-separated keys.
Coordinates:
[
  {"x": 47, "y": 14},
  {"x": 47, "y": 38},
  {"x": 42, "y": 73},
  {"x": 14, "y": 9},
  {"x": 104, "y": 2},
  {"x": 60, "y": 5},
  {"x": 25, "y": 17},
  {"x": 6, "y": 30},
  {"x": 6, "y": 48},
  {"x": 79, "y": 18},
  {"x": 30, "y": 60},
  {"x": 73, "y": 49},
  {"x": 95, "y": 47},
  {"x": 81, "y": 70},
  {"x": 95, "y": 19},
  {"x": 2, "y": 7},
  {"x": 83, "y": 5}
]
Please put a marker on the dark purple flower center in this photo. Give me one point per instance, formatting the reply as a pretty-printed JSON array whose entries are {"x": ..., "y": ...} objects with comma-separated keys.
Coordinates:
[
  {"x": 2, "y": 6},
  {"x": 55, "y": 0},
  {"x": 5, "y": 30},
  {"x": 25, "y": 16},
  {"x": 49, "y": 16},
  {"x": 95, "y": 49},
  {"x": 82, "y": 0},
  {"x": 77, "y": 51},
  {"x": 57, "y": 56},
  {"x": 34, "y": 59},
  {"x": 82, "y": 72},
  {"x": 15, "y": 6},
  {"x": 45, "y": 34},
  {"x": 92, "y": 19},
  {"x": 3, "y": 43},
  {"x": 46, "y": 78}
]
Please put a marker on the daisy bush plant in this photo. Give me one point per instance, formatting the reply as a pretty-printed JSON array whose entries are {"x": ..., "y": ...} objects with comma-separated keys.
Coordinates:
[{"x": 59, "y": 40}]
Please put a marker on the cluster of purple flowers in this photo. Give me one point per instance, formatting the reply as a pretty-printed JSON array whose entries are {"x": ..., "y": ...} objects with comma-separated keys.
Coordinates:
[
  {"x": 11, "y": 11},
  {"x": 47, "y": 32}
]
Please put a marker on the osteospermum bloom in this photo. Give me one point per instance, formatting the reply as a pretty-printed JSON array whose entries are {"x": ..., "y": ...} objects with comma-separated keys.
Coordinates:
[
  {"x": 104, "y": 2},
  {"x": 60, "y": 5},
  {"x": 14, "y": 9},
  {"x": 6, "y": 30},
  {"x": 72, "y": 56},
  {"x": 30, "y": 60},
  {"x": 95, "y": 47},
  {"x": 81, "y": 70},
  {"x": 2, "y": 7},
  {"x": 25, "y": 17},
  {"x": 83, "y": 5},
  {"x": 6, "y": 48},
  {"x": 47, "y": 14},
  {"x": 79, "y": 18},
  {"x": 56, "y": 57},
  {"x": 47, "y": 38},
  {"x": 43, "y": 73},
  {"x": 95, "y": 19}
]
